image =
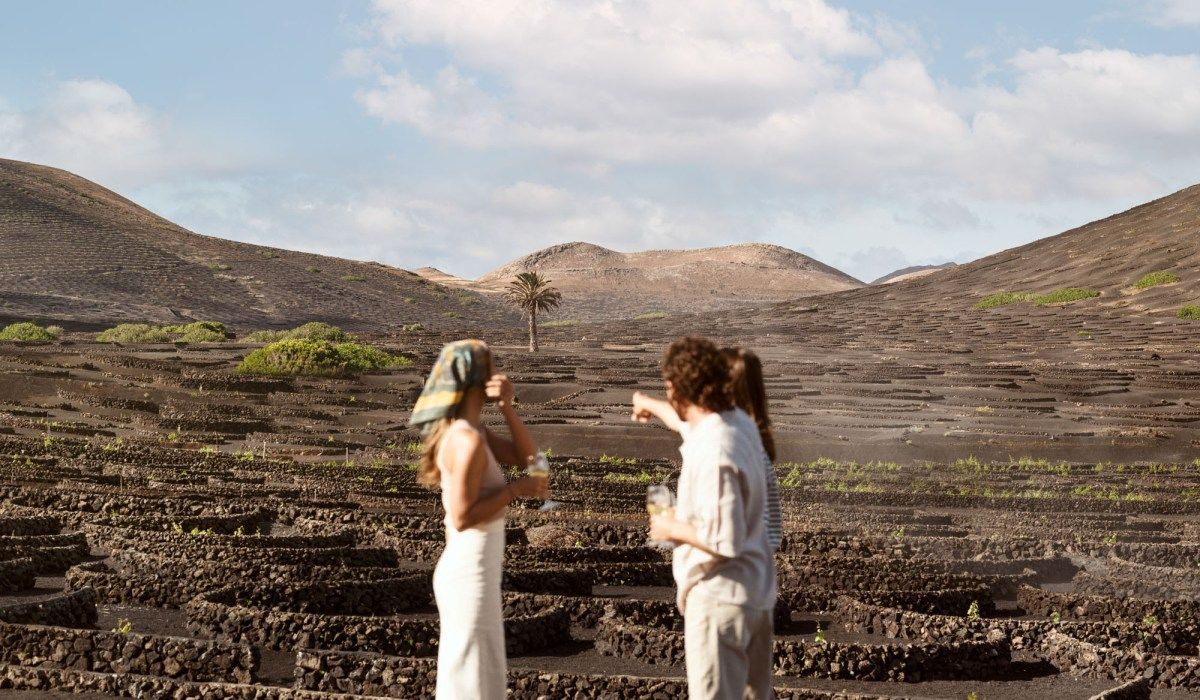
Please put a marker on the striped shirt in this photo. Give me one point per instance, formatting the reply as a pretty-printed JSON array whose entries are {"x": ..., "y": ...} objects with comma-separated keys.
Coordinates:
[{"x": 773, "y": 512}]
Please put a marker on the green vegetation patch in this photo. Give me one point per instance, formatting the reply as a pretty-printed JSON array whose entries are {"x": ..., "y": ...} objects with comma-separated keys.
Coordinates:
[
  {"x": 316, "y": 330},
  {"x": 650, "y": 316},
  {"x": 561, "y": 323},
  {"x": 1191, "y": 313},
  {"x": 1067, "y": 295},
  {"x": 196, "y": 332},
  {"x": 318, "y": 358},
  {"x": 28, "y": 331},
  {"x": 617, "y": 461},
  {"x": 134, "y": 333},
  {"x": 992, "y": 301},
  {"x": 1154, "y": 279}
]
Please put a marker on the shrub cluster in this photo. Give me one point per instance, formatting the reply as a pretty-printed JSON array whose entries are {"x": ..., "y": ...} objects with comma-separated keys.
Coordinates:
[
  {"x": 30, "y": 331},
  {"x": 317, "y": 358},
  {"x": 196, "y": 332},
  {"x": 315, "y": 330},
  {"x": 1191, "y": 313},
  {"x": 1065, "y": 295},
  {"x": 1153, "y": 279},
  {"x": 991, "y": 301}
]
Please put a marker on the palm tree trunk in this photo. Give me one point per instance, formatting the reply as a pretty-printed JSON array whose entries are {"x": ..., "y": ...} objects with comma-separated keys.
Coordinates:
[{"x": 533, "y": 339}]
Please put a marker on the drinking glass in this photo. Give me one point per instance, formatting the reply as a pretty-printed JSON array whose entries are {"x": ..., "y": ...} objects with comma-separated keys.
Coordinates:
[
  {"x": 539, "y": 468},
  {"x": 658, "y": 500}
]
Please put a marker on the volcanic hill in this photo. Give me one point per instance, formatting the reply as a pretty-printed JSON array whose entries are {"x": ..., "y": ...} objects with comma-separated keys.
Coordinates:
[
  {"x": 602, "y": 284},
  {"x": 911, "y": 273},
  {"x": 76, "y": 253}
]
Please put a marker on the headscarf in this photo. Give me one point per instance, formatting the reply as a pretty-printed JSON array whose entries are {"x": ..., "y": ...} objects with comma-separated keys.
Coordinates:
[{"x": 459, "y": 367}]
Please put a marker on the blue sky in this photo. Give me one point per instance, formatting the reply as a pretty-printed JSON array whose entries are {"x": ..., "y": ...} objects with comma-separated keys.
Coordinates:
[{"x": 872, "y": 134}]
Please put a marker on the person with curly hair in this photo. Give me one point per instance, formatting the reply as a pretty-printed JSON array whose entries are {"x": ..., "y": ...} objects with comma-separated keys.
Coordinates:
[{"x": 723, "y": 563}]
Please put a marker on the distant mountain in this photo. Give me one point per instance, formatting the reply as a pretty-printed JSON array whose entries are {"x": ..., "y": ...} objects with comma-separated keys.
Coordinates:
[
  {"x": 912, "y": 273},
  {"x": 76, "y": 252},
  {"x": 1108, "y": 256},
  {"x": 602, "y": 284}
]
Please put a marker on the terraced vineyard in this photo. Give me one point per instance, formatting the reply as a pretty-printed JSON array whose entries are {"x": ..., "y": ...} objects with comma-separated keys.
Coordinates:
[{"x": 173, "y": 529}]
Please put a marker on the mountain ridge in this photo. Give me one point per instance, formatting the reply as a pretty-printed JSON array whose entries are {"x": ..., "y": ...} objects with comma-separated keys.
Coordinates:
[{"x": 77, "y": 252}]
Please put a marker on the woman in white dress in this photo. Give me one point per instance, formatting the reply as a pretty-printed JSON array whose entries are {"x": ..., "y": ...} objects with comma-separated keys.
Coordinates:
[{"x": 463, "y": 458}]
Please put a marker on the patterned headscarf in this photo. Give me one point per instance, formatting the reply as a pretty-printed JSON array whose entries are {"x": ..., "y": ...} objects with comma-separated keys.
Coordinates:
[{"x": 460, "y": 366}]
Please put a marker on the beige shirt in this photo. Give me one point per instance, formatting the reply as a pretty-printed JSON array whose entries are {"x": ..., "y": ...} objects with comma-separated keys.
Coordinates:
[{"x": 722, "y": 493}]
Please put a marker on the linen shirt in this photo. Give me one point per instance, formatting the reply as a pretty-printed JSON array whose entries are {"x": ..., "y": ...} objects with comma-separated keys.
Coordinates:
[{"x": 722, "y": 494}]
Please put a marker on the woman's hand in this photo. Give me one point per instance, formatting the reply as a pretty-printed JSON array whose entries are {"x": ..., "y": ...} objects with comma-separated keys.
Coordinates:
[
  {"x": 530, "y": 487},
  {"x": 499, "y": 390}
]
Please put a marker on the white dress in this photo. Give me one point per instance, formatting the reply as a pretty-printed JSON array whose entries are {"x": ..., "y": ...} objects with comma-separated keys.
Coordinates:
[{"x": 472, "y": 664}]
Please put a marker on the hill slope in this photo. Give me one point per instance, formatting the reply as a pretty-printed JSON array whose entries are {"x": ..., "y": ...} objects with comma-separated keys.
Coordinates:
[
  {"x": 598, "y": 283},
  {"x": 74, "y": 251},
  {"x": 911, "y": 273},
  {"x": 1109, "y": 256}
]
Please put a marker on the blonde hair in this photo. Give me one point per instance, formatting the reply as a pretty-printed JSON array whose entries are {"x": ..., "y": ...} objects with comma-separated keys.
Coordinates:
[{"x": 427, "y": 471}]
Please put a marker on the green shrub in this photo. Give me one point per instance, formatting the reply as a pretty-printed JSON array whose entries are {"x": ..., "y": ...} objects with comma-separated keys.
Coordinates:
[
  {"x": 1154, "y": 279},
  {"x": 134, "y": 333},
  {"x": 317, "y": 358},
  {"x": 992, "y": 301},
  {"x": 650, "y": 316},
  {"x": 315, "y": 330},
  {"x": 200, "y": 335},
  {"x": 353, "y": 278},
  {"x": 29, "y": 331},
  {"x": 266, "y": 336},
  {"x": 198, "y": 332},
  {"x": 413, "y": 328},
  {"x": 1191, "y": 313},
  {"x": 1066, "y": 295},
  {"x": 561, "y": 323},
  {"x": 195, "y": 332}
]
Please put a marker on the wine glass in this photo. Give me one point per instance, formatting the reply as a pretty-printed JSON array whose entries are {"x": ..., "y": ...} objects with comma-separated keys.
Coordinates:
[
  {"x": 538, "y": 466},
  {"x": 659, "y": 500}
]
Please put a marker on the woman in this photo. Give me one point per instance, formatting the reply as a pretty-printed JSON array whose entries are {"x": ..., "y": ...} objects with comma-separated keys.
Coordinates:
[
  {"x": 747, "y": 389},
  {"x": 463, "y": 458}
]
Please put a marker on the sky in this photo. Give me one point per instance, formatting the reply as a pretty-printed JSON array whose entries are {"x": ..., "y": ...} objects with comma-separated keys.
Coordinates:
[{"x": 869, "y": 134}]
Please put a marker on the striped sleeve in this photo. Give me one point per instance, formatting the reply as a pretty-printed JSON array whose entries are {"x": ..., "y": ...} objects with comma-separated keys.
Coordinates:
[{"x": 773, "y": 514}]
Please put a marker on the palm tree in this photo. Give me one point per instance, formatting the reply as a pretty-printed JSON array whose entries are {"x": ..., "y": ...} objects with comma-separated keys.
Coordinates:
[{"x": 531, "y": 293}]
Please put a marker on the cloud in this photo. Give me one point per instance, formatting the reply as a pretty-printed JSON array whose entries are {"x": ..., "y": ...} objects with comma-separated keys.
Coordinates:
[
  {"x": 97, "y": 129},
  {"x": 85, "y": 126},
  {"x": 1172, "y": 13},
  {"x": 798, "y": 92}
]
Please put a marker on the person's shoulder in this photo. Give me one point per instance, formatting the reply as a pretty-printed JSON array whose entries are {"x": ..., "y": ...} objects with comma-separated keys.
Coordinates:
[{"x": 463, "y": 442}]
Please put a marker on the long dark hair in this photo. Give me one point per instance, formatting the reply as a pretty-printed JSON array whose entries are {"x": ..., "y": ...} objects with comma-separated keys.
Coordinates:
[{"x": 748, "y": 391}]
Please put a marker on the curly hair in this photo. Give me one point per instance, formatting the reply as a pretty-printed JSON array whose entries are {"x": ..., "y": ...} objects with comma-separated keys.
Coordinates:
[{"x": 698, "y": 373}]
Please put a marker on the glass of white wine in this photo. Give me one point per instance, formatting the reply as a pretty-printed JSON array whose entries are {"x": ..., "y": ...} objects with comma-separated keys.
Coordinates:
[
  {"x": 659, "y": 500},
  {"x": 538, "y": 467}
]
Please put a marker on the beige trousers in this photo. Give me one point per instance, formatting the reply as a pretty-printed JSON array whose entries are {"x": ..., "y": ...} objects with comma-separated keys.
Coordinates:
[{"x": 730, "y": 651}]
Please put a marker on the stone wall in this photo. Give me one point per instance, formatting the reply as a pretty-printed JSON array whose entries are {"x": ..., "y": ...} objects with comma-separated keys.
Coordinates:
[
  {"x": 1076, "y": 606},
  {"x": 1082, "y": 658},
  {"x": 113, "y": 652},
  {"x": 73, "y": 609}
]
